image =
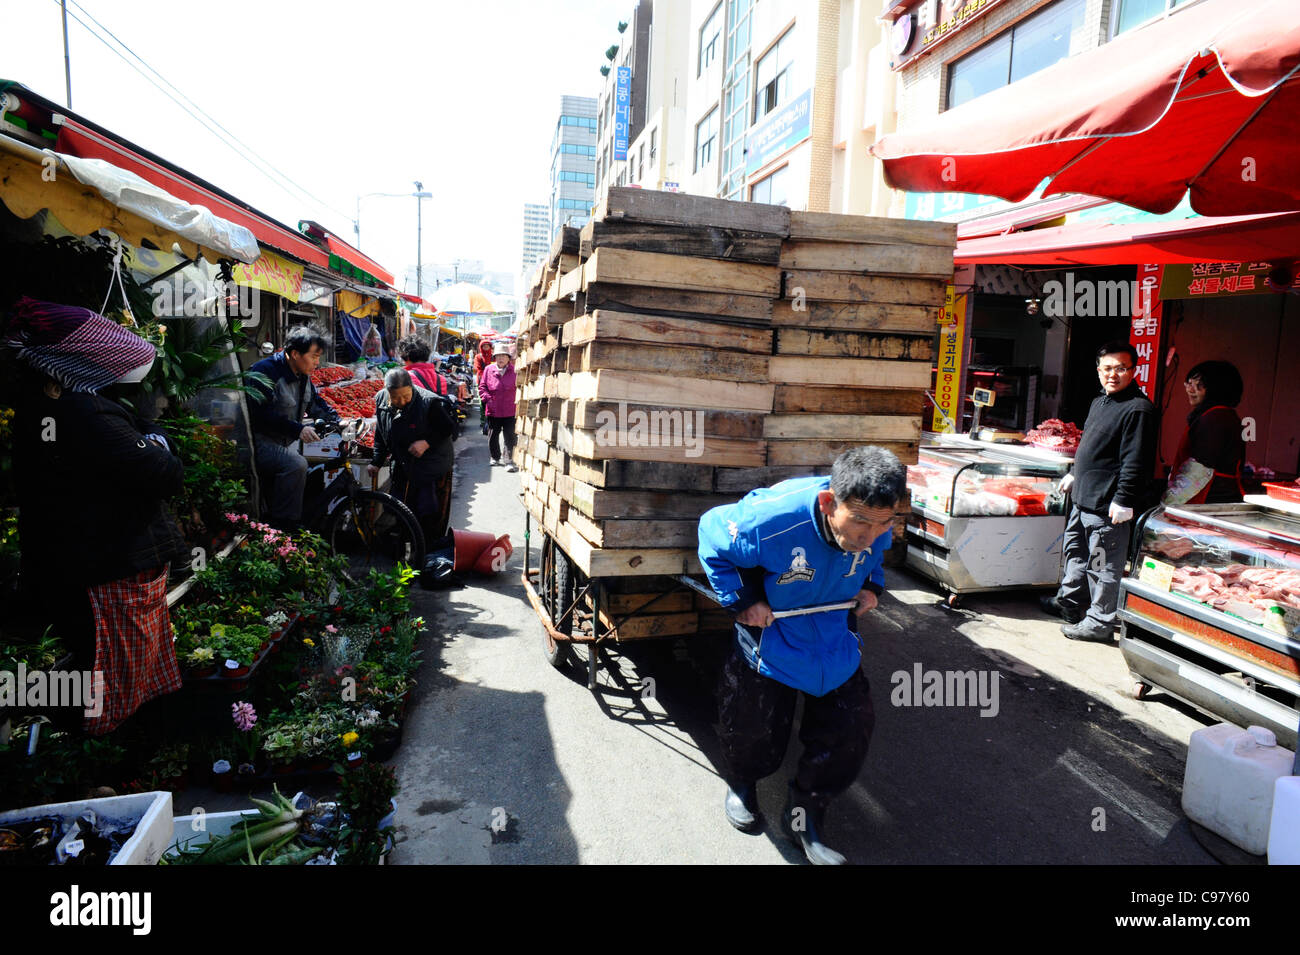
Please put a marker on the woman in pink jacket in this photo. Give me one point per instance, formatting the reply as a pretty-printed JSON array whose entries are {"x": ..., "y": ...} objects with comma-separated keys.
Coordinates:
[{"x": 498, "y": 390}]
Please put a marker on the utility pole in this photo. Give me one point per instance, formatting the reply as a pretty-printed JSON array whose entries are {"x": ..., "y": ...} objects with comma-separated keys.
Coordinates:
[
  {"x": 420, "y": 196},
  {"x": 67, "y": 59}
]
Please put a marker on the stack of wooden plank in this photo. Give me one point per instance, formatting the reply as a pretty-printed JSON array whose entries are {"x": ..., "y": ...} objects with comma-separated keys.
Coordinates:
[{"x": 680, "y": 351}]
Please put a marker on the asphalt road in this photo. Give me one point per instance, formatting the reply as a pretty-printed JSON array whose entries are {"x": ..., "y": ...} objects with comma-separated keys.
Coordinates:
[{"x": 507, "y": 760}]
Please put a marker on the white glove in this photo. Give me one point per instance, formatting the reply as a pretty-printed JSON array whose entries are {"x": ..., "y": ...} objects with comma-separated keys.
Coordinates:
[
  {"x": 1067, "y": 482},
  {"x": 1118, "y": 515}
]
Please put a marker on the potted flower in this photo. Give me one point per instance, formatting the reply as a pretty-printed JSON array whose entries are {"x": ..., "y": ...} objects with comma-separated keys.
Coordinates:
[
  {"x": 247, "y": 738},
  {"x": 282, "y": 746},
  {"x": 202, "y": 662}
]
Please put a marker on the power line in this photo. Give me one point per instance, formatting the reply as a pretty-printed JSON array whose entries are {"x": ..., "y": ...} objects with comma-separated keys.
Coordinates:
[{"x": 287, "y": 185}]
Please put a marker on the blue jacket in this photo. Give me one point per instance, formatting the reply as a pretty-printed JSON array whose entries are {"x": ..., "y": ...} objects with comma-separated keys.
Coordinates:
[
  {"x": 277, "y": 414},
  {"x": 775, "y": 533}
]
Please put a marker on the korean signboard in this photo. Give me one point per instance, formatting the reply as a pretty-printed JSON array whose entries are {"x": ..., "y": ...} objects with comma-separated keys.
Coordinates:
[
  {"x": 952, "y": 355},
  {"x": 622, "y": 111},
  {"x": 1144, "y": 333},
  {"x": 936, "y": 21},
  {"x": 1214, "y": 279},
  {"x": 784, "y": 129}
]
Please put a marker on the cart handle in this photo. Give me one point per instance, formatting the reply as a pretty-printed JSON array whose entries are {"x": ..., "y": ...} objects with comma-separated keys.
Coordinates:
[{"x": 845, "y": 605}]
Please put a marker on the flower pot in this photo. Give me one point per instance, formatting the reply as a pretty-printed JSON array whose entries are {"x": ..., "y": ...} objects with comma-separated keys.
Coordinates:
[
  {"x": 355, "y": 760},
  {"x": 318, "y": 764},
  {"x": 223, "y": 779},
  {"x": 234, "y": 673},
  {"x": 203, "y": 673},
  {"x": 283, "y": 769}
]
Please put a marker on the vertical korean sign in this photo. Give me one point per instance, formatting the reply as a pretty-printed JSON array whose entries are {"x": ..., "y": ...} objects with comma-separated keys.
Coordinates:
[
  {"x": 622, "y": 111},
  {"x": 952, "y": 352},
  {"x": 1144, "y": 334}
]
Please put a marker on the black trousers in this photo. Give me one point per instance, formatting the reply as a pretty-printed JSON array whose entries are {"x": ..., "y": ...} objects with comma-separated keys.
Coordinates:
[
  {"x": 757, "y": 714},
  {"x": 496, "y": 428}
]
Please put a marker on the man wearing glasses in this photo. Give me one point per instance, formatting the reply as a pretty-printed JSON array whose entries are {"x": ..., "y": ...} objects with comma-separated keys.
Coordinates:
[{"x": 1109, "y": 482}]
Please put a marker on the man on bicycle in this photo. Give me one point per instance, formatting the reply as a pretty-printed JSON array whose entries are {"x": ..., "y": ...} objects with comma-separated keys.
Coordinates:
[{"x": 277, "y": 419}]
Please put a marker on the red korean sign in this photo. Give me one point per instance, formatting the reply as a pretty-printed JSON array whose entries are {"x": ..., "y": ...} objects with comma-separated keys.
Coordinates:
[{"x": 1144, "y": 333}]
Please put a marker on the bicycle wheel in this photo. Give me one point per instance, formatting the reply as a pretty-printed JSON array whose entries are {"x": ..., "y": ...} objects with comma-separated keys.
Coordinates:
[{"x": 374, "y": 531}]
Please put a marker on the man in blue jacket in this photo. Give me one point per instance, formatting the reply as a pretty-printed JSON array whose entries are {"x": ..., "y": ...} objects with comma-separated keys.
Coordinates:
[
  {"x": 276, "y": 416},
  {"x": 802, "y": 543}
]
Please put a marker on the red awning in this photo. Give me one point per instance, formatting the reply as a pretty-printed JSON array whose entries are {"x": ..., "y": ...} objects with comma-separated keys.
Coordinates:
[
  {"x": 1205, "y": 100},
  {"x": 357, "y": 258},
  {"x": 82, "y": 141},
  {"x": 1260, "y": 238}
]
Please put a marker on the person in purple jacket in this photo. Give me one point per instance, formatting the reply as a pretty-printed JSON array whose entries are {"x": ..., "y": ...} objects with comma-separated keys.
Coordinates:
[{"x": 498, "y": 390}]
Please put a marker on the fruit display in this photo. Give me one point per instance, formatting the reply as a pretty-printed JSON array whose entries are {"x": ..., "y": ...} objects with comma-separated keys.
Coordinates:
[
  {"x": 355, "y": 399},
  {"x": 331, "y": 375},
  {"x": 1055, "y": 435}
]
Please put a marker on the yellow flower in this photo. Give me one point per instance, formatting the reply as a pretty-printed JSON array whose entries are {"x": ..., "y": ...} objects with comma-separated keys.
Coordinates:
[
  {"x": 308, "y": 641},
  {"x": 350, "y": 738}
]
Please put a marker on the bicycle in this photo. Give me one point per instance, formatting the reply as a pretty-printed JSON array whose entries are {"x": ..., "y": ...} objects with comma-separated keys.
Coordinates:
[{"x": 371, "y": 528}]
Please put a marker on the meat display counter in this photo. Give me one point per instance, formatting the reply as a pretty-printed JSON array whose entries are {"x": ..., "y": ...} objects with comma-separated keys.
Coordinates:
[
  {"x": 1211, "y": 608},
  {"x": 985, "y": 519}
]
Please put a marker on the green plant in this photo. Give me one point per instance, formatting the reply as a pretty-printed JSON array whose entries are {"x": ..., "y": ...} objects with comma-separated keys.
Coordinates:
[
  {"x": 188, "y": 356},
  {"x": 170, "y": 761},
  {"x": 365, "y": 796},
  {"x": 611, "y": 52}
]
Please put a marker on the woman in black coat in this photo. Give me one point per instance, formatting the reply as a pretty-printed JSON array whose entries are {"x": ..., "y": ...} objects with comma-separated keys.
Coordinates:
[{"x": 1207, "y": 468}]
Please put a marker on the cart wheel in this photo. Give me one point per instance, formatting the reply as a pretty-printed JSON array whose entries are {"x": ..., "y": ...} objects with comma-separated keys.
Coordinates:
[
  {"x": 953, "y": 602},
  {"x": 1140, "y": 690},
  {"x": 557, "y": 594}
]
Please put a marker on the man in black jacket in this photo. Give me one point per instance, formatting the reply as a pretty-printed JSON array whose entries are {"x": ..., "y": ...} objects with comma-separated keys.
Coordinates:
[
  {"x": 1109, "y": 482},
  {"x": 414, "y": 427}
]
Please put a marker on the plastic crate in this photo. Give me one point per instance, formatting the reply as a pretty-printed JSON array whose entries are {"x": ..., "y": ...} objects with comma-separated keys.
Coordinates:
[
  {"x": 1283, "y": 492},
  {"x": 152, "y": 813}
]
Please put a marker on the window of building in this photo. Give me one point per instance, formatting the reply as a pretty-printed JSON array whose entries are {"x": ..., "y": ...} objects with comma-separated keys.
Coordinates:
[
  {"x": 1031, "y": 45},
  {"x": 773, "y": 76},
  {"x": 654, "y": 144},
  {"x": 640, "y": 163},
  {"x": 710, "y": 33},
  {"x": 735, "y": 99},
  {"x": 706, "y": 135},
  {"x": 1134, "y": 13},
  {"x": 587, "y": 178},
  {"x": 771, "y": 189},
  {"x": 582, "y": 122}
]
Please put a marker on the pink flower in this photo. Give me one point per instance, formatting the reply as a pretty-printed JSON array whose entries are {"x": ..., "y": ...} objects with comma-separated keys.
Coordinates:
[
  {"x": 330, "y": 628},
  {"x": 244, "y": 715}
]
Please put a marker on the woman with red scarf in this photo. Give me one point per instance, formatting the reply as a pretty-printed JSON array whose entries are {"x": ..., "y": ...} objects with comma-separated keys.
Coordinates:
[
  {"x": 481, "y": 362},
  {"x": 1207, "y": 469}
]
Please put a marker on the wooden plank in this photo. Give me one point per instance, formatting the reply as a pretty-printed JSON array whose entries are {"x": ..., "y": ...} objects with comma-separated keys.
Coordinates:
[
  {"x": 635, "y": 533},
  {"x": 659, "y": 420},
  {"x": 705, "y": 241},
  {"x": 843, "y": 427},
  {"x": 570, "y": 283},
  {"x": 555, "y": 313},
  {"x": 565, "y": 243},
  {"x": 862, "y": 372},
  {"x": 680, "y": 602},
  {"x": 912, "y": 260},
  {"x": 857, "y": 316},
  {"x": 626, "y": 562},
  {"x": 708, "y": 363},
  {"x": 649, "y": 475},
  {"x": 613, "y": 385},
  {"x": 610, "y": 325},
  {"x": 657, "y": 270},
  {"x": 835, "y": 344},
  {"x": 649, "y": 626},
  {"x": 737, "y": 482},
  {"x": 823, "y": 286},
  {"x": 635, "y": 446},
  {"x": 680, "y": 208},
  {"x": 814, "y": 453},
  {"x": 602, "y": 504},
  {"x": 679, "y": 303},
  {"x": 830, "y": 226}
]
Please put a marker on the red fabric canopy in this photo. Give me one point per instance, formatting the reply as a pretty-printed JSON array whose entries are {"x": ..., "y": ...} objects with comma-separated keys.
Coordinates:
[
  {"x": 1258, "y": 238},
  {"x": 79, "y": 140},
  {"x": 357, "y": 258},
  {"x": 1205, "y": 100}
]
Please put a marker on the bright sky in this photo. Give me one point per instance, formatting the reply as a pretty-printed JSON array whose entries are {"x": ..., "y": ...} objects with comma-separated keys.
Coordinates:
[{"x": 344, "y": 99}]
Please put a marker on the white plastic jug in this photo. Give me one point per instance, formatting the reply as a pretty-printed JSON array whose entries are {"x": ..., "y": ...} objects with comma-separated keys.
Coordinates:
[
  {"x": 1284, "y": 831},
  {"x": 1228, "y": 785}
]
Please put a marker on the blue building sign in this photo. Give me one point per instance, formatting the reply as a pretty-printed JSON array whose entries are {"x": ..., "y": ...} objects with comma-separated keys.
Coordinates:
[
  {"x": 781, "y": 131},
  {"x": 622, "y": 111}
]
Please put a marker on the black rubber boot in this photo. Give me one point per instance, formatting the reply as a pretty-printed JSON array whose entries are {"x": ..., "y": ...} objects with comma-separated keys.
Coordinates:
[
  {"x": 741, "y": 807},
  {"x": 803, "y": 823}
]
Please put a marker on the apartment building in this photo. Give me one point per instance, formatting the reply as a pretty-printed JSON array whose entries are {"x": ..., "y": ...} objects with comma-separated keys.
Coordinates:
[
  {"x": 536, "y": 236},
  {"x": 573, "y": 164}
]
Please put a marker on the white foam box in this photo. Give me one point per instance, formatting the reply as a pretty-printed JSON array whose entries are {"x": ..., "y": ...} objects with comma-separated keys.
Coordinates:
[{"x": 151, "y": 812}]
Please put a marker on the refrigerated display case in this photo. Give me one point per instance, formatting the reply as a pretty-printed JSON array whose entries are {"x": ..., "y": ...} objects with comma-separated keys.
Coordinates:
[
  {"x": 985, "y": 519},
  {"x": 1210, "y": 611}
]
